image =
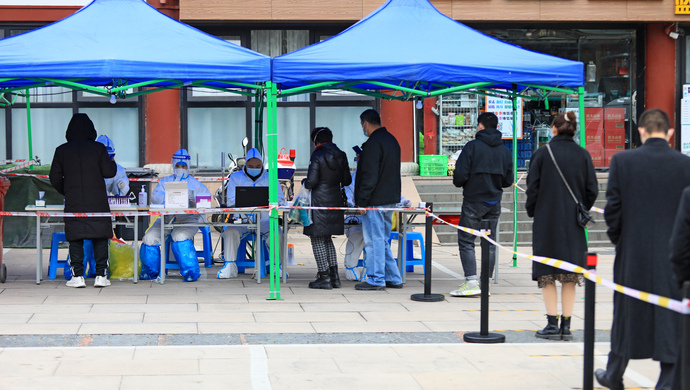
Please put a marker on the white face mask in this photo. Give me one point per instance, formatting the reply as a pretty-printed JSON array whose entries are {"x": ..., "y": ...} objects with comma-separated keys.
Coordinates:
[{"x": 180, "y": 172}]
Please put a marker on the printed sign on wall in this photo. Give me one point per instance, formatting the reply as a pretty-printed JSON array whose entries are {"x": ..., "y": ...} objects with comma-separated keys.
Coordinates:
[{"x": 503, "y": 108}]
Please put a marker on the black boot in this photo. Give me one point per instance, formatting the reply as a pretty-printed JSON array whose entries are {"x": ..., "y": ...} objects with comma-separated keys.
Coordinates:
[
  {"x": 551, "y": 332},
  {"x": 323, "y": 281},
  {"x": 335, "y": 278},
  {"x": 565, "y": 329}
]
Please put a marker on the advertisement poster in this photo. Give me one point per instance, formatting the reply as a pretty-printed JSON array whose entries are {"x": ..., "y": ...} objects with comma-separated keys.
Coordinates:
[
  {"x": 503, "y": 108},
  {"x": 685, "y": 126}
]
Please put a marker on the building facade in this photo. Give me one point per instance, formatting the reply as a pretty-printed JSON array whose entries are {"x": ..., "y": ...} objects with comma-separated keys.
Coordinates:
[{"x": 635, "y": 52}]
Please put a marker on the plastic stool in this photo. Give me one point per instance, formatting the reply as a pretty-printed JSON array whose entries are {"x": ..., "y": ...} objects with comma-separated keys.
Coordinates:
[
  {"x": 242, "y": 260},
  {"x": 410, "y": 260},
  {"x": 205, "y": 252},
  {"x": 55, "y": 263},
  {"x": 207, "y": 248}
]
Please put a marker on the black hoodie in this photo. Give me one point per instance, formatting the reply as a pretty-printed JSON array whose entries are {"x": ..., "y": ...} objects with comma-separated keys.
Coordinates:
[
  {"x": 484, "y": 168},
  {"x": 78, "y": 171}
]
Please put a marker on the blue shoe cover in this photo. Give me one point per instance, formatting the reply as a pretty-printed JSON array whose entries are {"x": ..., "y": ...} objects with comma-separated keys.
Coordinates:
[
  {"x": 185, "y": 254},
  {"x": 150, "y": 256}
]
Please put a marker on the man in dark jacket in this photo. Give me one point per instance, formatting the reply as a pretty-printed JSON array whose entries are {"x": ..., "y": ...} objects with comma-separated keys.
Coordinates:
[
  {"x": 377, "y": 184},
  {"x": 644, "y": 190},
  {"x": 483, "y": 169},
  {"x": 78, "y": 172}
]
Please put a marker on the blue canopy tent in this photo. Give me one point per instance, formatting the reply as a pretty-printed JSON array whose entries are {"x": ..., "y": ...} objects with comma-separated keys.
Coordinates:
[
  {"x": 125, "y": 48},
  {"x": 396, "y": 53},
  {"x": 111, "y": 47}
]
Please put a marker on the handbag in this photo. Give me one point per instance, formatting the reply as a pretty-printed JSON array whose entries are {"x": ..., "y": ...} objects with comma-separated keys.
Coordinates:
[{"x": 584, "y": 219}]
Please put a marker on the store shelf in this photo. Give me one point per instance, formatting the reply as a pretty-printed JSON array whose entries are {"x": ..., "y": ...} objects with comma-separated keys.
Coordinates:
[{"x": 452, "y": 136}]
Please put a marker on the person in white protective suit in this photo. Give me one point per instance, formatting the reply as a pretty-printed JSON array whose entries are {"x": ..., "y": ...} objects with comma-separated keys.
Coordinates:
[
  {"x": 182, "y": 236},
  {"x": 252, "y": 175},
  {"x": 355, "y": 238},
  {"x": 119, "y": 184}
]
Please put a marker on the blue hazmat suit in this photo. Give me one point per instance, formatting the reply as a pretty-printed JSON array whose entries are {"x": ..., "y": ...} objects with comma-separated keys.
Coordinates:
[
  {"x": 232, "y": 234},
  {"x": 182, "y": 236}
]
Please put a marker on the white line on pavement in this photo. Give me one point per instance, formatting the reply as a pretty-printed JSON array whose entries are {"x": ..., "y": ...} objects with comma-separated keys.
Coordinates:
[{"x": 259, "y": 368}]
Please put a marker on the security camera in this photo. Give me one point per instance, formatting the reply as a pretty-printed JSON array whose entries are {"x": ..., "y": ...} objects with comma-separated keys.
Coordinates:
[{"x": 673, "y": 35}]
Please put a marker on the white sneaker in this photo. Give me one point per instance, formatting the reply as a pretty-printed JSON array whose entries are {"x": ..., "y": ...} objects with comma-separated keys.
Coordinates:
[
  {"x": 76, "y": 282},
  {"x": 468, "y": 289},
  {"x": 101, "y": 281}
]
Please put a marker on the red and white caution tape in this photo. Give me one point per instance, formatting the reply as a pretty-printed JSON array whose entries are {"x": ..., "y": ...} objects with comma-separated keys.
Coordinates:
[
  {"x": 13, "y": 161},
  {"x": 682, "y": 307},
  {"x": 131, "y": 213},
  {"x": 20, "y": 166}
]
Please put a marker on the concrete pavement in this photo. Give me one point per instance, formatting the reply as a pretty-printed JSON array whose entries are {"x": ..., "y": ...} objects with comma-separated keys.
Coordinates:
[{"x": 226, "y": 334}]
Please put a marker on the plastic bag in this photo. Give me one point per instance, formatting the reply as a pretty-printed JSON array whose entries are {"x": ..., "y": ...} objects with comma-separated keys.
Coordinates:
[
  {"x": 121, "y": 262},
  {"x": 302, "y": 216}
]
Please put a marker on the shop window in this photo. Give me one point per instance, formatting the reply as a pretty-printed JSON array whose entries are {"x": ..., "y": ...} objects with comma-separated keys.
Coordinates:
[
  {"x": 213, "y": 132},
  {"x": 346, "y": 127},
  {"x": 48, "y": 126},
  {"x": 293, "y": 133},
  {"x": 121, "y": 124}
]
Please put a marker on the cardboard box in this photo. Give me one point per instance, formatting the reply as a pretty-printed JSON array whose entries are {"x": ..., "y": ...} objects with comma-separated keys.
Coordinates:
[
  {"x": 609, "y": 153},
  {"x": 597, "y": 157},
  {"x": 614, "y": 139},
  {"x": 594, "y": 127},
  {"x": 614, "y": 118}
]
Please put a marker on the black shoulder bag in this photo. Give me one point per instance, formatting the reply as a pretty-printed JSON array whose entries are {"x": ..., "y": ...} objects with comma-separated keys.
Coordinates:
[{"x": 583, "y": 218}]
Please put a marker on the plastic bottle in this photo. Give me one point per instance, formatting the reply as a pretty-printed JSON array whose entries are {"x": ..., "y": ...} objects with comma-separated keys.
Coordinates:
[
  {"x": 143, "y": 201},
  {"x": 291, "y": 254}
]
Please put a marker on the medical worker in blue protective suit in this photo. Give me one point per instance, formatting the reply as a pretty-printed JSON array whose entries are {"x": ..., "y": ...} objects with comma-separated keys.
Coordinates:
[
  {"x": 118, "y": 185},
  {"x": 182, "y": 236},
  {"x": 252, "y": 175}
]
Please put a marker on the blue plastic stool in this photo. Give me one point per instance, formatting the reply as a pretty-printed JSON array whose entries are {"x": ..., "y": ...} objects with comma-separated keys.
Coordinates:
[
  {"x": 55, "y": 263},
  {"x": 207, "y": 248},
  {"x": 410, "y": 260},
  {"x": 205, "y": 252},
  {"x": 242, "y": 260}
]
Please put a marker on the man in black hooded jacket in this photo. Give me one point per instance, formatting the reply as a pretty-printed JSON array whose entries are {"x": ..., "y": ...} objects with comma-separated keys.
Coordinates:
[
  {"x": 78, "y": 169},
  {"x": 483, "y": 169}
]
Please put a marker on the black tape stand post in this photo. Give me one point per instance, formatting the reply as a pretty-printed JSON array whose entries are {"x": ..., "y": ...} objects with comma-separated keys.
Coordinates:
[
  {"x": 484, "y": 336},
  {"x": 590, "y": 301},
  {"x": 685, "y": 346},
  {"x": 427, "y": 296}
]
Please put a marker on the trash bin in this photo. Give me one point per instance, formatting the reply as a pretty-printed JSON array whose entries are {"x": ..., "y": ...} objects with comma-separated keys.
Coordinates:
[
  {"x": 4, "y": 186},
  {"x": 135, "y": 187}
]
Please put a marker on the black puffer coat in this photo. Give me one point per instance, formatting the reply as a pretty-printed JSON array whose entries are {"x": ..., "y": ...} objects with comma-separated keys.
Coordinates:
[
  {"x": 78, "y": 172},
  {"x": 328, "y": 173}
]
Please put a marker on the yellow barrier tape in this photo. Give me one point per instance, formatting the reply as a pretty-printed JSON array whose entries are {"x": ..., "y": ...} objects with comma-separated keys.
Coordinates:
[{"x": 682, "y": 307}]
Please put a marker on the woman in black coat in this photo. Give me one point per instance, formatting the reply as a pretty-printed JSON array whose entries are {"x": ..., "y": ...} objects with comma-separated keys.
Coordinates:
[
  {"x": 555, "y": 232},
  {"x": 328, "y": 174},
  {"x": 78, "y": 171}
]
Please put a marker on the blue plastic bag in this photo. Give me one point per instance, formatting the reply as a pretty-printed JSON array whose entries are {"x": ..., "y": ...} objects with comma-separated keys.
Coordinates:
[
  {"x": 302, "y": 216},
  {"x": 185, "y": 253},
  {"x": 150, "y": 257}
]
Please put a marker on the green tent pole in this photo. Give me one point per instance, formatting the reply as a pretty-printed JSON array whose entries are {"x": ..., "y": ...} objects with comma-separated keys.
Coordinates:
[
  {"x": 28, "y": 125},
  {"x": 583, "y": 136},
  {"x": 259, "y": 121},
  {"x": 272, "y": 154},
  {"x": 515, "y": 202}
]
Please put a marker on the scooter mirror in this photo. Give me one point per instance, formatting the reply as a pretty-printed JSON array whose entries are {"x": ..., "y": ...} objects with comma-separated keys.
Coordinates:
[{"x": 245, "y": 142}]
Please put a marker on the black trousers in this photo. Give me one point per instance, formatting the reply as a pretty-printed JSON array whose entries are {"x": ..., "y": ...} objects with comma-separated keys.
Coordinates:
[
  {"x": 100, "y": 253},
  {"x": 669, "y": 378}
]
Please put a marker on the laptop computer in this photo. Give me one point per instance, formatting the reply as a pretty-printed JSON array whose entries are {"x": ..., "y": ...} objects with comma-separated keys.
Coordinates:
[{"x": 251, "y": 196}]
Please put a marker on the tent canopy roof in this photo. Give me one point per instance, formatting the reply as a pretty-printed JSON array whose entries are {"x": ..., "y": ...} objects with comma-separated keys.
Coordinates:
[
  {"x": 410, "y": 43},
  {"x": 125, "y": 40}
]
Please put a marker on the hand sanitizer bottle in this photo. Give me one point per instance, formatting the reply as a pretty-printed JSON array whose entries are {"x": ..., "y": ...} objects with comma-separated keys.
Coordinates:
[{"x": 143, "y": 201}]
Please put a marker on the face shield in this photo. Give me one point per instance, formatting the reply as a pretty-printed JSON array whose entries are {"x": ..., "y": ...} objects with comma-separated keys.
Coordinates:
[
  {"x": 109, "y": 145},
  {"x": 180, "y": 163}
]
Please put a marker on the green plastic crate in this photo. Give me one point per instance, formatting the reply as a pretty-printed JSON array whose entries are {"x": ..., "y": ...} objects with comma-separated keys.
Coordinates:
[{"x": 433, "y": 165}]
